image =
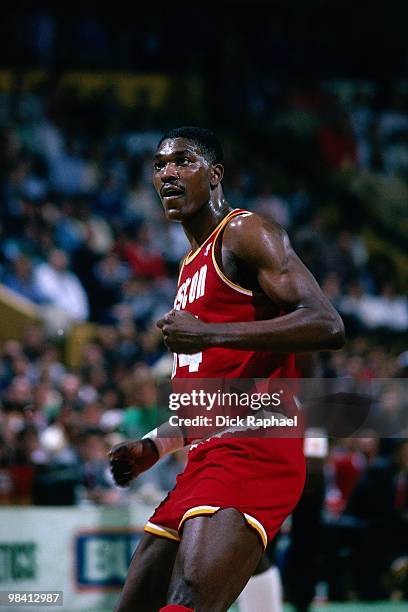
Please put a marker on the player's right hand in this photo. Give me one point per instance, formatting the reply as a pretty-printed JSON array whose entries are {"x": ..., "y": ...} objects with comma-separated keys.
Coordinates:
[{"x": 129, "y": 459}]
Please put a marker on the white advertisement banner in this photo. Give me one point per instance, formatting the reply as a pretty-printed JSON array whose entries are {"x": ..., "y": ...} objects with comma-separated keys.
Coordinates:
[{"x": 84, "y": 552}]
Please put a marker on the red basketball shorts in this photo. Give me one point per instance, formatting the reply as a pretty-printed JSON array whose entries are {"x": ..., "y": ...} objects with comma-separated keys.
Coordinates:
[{"x": 262, "y": 478}]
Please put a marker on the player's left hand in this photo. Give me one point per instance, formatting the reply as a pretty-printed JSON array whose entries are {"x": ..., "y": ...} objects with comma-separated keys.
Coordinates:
[{"x": 183, "y": 332}]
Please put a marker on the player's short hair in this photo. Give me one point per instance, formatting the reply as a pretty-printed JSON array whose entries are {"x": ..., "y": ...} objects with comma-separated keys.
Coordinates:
[{"x": 205, "y": 139}]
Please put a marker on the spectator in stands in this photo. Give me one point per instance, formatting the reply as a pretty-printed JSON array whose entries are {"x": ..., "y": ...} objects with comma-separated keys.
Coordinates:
[
  {"x": 109, "y": 200},
  {"x": 109, "y": 274},
  {"x": 380, "y": 500},
  {"x": 61, "y": 289},
  {"x": 372, "y": 311},
  {"x": 362, "y": 119},
  {"x": 21, "y": 279},
  {"x": 346, "y": 464},
  {"x": 141, "y": 400},
  {"x": 95, "y": 482},
  {"x": 18, "y": 394},
  {"x": 28, "y": 449},
  {"x": 139, "y": 250},
  {"x": 79, "y": 226},
  {"x": 337, "y": 142}
]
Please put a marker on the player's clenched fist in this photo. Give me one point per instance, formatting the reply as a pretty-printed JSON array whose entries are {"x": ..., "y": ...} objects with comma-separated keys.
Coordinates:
[
  {"x": 183, "y": 332},
  {"x": 129, "y": 459}
]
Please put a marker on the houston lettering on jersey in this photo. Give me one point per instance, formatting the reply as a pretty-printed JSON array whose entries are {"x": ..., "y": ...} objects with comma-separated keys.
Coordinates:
[{"x": 191, "y": 289}]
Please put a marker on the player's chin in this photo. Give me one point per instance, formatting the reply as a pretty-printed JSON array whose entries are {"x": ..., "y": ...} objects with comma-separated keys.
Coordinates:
[
  {"x": 175, "y": 209},
  {"x": 174, "y": 214}
]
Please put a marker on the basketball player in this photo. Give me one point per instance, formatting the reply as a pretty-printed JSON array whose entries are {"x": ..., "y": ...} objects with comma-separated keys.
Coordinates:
[{"x": 245, "y": 304}]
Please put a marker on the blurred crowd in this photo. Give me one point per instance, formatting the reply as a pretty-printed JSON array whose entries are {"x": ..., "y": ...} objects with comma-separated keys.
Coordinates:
[{"x": 84, "y": 239}]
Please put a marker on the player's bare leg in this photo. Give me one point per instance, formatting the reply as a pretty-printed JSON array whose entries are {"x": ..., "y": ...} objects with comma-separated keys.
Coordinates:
[
  {"x": 149, "y": 575},
  {"x": 216, "y": 557}
]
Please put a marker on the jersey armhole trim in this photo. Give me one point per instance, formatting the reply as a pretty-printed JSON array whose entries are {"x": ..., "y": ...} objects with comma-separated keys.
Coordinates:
[{"x": 218, "y": 270}]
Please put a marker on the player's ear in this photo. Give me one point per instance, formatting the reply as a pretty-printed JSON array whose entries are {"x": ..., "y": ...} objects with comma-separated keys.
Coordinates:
[{"x": 217, "y": 172}]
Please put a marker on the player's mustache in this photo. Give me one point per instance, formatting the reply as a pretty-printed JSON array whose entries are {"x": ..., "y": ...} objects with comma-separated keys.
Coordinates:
[{"x": 169, "y": 187}]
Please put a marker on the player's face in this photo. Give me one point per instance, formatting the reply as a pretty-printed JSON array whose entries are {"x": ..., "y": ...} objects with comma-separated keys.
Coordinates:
[{"x": 181, "y": 176}]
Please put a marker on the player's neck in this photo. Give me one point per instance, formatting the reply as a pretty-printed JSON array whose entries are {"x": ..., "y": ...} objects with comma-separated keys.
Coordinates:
[{"x": 204, "y": 221}]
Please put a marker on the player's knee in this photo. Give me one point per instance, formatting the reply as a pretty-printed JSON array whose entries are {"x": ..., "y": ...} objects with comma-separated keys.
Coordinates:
[{"x": 185, "y": 589}]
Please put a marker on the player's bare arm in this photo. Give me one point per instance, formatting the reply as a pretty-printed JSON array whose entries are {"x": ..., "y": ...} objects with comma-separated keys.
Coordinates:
[{"x": 309, "y": 322}]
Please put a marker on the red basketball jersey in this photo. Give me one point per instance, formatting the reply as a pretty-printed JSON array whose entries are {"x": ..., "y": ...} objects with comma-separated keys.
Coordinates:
[{"x": 205, "y": 291}]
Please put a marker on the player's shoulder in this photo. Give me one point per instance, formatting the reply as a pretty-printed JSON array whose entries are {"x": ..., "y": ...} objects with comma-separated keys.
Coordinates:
[
  {"x": 250, "y": 230},
  {"x": 252, "y": 222}
]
